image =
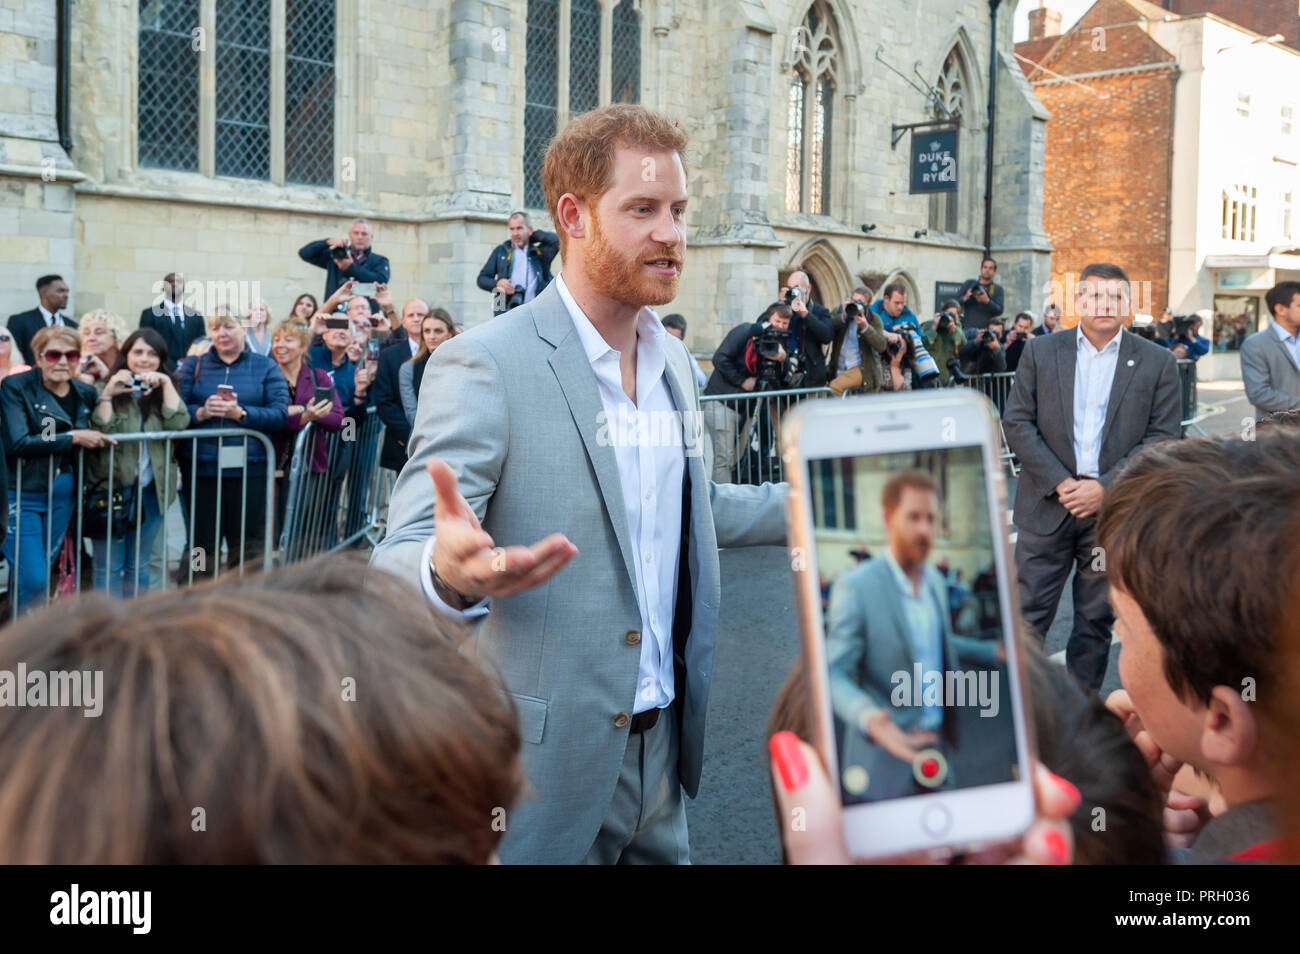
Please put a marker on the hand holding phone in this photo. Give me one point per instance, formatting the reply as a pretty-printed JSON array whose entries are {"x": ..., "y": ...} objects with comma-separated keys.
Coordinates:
[
  {"x": 916, "y": 681},
  {"x": 226, "y": 392}
]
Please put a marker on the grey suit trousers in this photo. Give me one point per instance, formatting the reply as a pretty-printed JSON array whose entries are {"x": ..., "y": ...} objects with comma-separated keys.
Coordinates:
[
  {"x": 1043, "y": 564},
  {"x": 645, "y": 823}
]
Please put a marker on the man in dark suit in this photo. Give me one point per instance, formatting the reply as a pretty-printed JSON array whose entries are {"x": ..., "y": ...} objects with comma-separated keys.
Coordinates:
[
  {"x": 388, "y": 395},
  {"x": 813, "y": 328},
  {"x": 52, "y": 291},
  {"x": 344, "y": 258},
  {"x": 522, "y": 261},
  {"x": 1083, "y": 401},
  {"x": 179, "y": 325}
]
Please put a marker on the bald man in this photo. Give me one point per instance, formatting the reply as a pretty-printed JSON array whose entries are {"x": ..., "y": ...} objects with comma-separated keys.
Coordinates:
[{"x": 811, "y": 328}]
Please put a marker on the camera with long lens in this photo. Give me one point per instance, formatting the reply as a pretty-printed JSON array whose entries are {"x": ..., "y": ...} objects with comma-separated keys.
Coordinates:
[
  {"x": 955, "y": 373},
  {"x": 925, "y": 371},
  {"x": 775, "y": 373}
]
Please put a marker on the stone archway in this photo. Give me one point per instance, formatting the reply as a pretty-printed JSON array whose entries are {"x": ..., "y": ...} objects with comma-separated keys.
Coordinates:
[{"x": 829, "y": 276}]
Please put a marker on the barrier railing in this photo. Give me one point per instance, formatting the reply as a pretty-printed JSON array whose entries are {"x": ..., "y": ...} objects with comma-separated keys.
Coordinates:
[
  {"x": 132, "y": 519},
  {"x": 335, "y": 508},
  {"x": 744, "y": 431}
]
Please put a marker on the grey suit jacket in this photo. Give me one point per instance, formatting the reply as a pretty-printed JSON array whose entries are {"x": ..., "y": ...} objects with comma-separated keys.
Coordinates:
[
  {"x": 517, "y": 416},
  {"x": 1271, "y": 378},
  {"x": 1039, "y": 418},
  {"x": 867, "y": 642}
]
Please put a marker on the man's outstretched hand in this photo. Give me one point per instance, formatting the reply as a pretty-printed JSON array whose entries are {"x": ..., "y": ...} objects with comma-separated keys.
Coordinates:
[{"x": 469, "y": 562}]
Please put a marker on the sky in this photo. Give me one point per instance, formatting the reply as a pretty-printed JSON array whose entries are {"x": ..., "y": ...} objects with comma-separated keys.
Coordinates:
[{"x": 1070, "y": 11}]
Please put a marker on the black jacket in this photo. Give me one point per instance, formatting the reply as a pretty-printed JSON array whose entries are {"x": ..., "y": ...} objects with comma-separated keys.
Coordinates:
[
  {"x": 982, "y": 358},
  {"x": 23, "y": 327},
  {"x": 25, "y": 408},
  {"x": 542, "y": 249},
  {"x": 976, "y": 314},
  {"x": 373, "y": 268},
  {"x": 729, "y": 371},
  {"x": 178, "y": 336},
  {"x": 388, "y": 405},
  {"x": 812, "y": 334}
]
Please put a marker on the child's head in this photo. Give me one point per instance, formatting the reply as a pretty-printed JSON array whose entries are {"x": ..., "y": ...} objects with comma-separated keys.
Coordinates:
[{"x": 1197, "y": 540}]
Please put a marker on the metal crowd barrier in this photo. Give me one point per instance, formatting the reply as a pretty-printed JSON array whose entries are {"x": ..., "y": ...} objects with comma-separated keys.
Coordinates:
[
  {"x": 341, "y": 506},
  {"x": 744, "y": 430},
  {"x": 203, "y": 553}
]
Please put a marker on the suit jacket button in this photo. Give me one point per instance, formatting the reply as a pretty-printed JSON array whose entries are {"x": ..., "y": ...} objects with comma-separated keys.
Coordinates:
[
  {"x": 621, "y": 720},
  {"x": 633, "y": 637}
]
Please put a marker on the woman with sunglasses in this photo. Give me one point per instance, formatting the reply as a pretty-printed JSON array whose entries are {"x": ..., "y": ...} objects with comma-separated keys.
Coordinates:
[
  {"x": 44, "y": 415},
  {"x": 140, "y": 396},
  {"x": 8, "y": 365}
]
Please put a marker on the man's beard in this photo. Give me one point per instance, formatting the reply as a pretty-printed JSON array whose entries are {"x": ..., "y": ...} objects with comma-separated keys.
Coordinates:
[{"x": 626, "y": 280}]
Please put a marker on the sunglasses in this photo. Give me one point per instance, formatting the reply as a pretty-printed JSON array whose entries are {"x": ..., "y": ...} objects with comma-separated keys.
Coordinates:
[{"x": 53, "y": 357}]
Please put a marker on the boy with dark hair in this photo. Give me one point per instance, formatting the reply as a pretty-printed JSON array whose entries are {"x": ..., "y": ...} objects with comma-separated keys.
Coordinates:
[{"x": 1199, "y": 607}]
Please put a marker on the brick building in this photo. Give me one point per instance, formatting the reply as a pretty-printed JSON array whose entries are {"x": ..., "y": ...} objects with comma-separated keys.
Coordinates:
[
  {"x": 1171, "y": 150},
  {"x": 215, "y": 137}
]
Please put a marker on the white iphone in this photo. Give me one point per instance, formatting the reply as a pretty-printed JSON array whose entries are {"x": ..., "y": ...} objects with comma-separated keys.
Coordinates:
[{"x": 907, "y": 616}]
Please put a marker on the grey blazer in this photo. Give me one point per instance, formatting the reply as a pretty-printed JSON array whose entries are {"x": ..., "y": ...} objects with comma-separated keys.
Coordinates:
[
  {"x": 517, "y": 417},
  {"x": 1039, "y": 418},
  {"x": 867, "y": 642},
  {"x": 1271, "y": 378}
]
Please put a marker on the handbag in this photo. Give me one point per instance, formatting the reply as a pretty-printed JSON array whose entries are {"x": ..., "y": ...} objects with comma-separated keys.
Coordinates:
[{"x": 109, "y": 512}]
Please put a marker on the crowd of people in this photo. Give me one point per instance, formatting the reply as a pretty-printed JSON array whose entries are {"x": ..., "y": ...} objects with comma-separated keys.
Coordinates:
[
  {"x": 457, "y": 700},
  {"x": 69, "y": 386}
]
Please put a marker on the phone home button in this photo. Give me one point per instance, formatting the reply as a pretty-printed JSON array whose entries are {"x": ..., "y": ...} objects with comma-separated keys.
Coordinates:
[{"x": 936, "y": 820}]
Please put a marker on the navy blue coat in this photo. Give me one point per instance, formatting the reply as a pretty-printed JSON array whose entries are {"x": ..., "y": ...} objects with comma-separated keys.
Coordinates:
[
  {"x": 374, "y": 268},
  {"x": 260, "y": 389}
]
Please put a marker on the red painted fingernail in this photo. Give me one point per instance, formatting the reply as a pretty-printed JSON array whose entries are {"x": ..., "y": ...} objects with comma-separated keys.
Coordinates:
[
  {"x": 1068, "y": 787},
  {"x": 1055, "y": 843},
  {"x": 787, "y": 755}
]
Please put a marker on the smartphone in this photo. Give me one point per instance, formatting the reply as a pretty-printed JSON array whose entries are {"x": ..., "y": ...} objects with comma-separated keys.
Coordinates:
[
  {"x": 364, "y": 288},
  {"x": 225, "y": 392},
  {"x": 905, "y": 589},
  {"x": 372, "y": 349},
  {"x": 323, "y": 394}
]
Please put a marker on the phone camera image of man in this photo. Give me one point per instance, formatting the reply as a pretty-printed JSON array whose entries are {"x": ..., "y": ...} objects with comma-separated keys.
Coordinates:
[{"x": 900, "y": 678}]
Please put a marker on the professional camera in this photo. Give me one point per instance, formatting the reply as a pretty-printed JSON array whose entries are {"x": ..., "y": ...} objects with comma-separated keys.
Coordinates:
[
  {"x": 853, "y": 309},
  {"x": 1183, "y": 324},
  {"x": 516, "y": 299},
  {"x": 925, "y": 371},
  {"x": 791, "y": 294},
  {"x": 774, "y": 373},
  {"x": 955, "y": 373},
  {"x": 340, "y": 253},
  {"x": 943, "y": 322}
]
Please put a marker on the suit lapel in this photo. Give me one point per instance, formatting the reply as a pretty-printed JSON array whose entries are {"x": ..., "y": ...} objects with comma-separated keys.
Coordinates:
[
  {"x": 1126, "y": 366},
  {"x": 578, "y": 383},
  {"x": 1281, "y": 346},
  {"x": 1065, "y": 366}
]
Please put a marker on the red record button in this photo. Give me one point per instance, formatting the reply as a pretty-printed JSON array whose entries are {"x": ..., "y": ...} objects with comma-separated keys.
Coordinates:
[{"x": 930, "y": 768}]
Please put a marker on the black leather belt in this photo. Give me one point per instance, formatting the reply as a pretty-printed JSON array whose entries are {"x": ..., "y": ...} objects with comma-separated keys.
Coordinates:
[{"x": 645, "y": 721}]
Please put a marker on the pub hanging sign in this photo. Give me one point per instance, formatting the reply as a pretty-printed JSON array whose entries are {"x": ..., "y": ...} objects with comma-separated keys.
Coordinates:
[{"x": 934, "y": 160}]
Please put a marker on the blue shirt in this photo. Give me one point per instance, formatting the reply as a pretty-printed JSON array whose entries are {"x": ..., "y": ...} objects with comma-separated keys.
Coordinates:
[
  {"x": 925, "y": 633},
  {"x": 1288, "y": 339},
  {"x": 343, "y": 376}
]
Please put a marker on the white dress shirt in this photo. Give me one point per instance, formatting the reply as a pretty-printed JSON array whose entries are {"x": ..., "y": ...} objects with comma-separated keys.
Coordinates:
[
  {"x": 1094, "y": 373},
  {"x": 51, "y": 317},
  {"x": 651, "y": 480},
  {"x": 1288, "y": 339}
]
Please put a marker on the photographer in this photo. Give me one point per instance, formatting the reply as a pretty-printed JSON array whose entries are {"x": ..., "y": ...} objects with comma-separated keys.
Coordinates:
[
  {"x": 1187, "y": 343},
  {"x": 981, "y": 299},
  {"x": 855, "y": 358},
  {"x": 985, "y": 353},
  {"x": 721, "y": 417},
  {"x": 344, "y": 258},
  {"x": 810, "y": 331},
  {"x": 1022, "y": 329},
  {"x": 519, "y": 268},
  {"x": 1051, "y": 320},
  {"x": 891, "y": 308},
  {"x": 944, "y": 340}
]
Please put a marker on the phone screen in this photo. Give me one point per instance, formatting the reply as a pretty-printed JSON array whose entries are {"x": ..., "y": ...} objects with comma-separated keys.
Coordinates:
[
  {"x": 364, "y": 288},
  {"x": 225, "y": 392},
  {"x": 915, "y": 647}
]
